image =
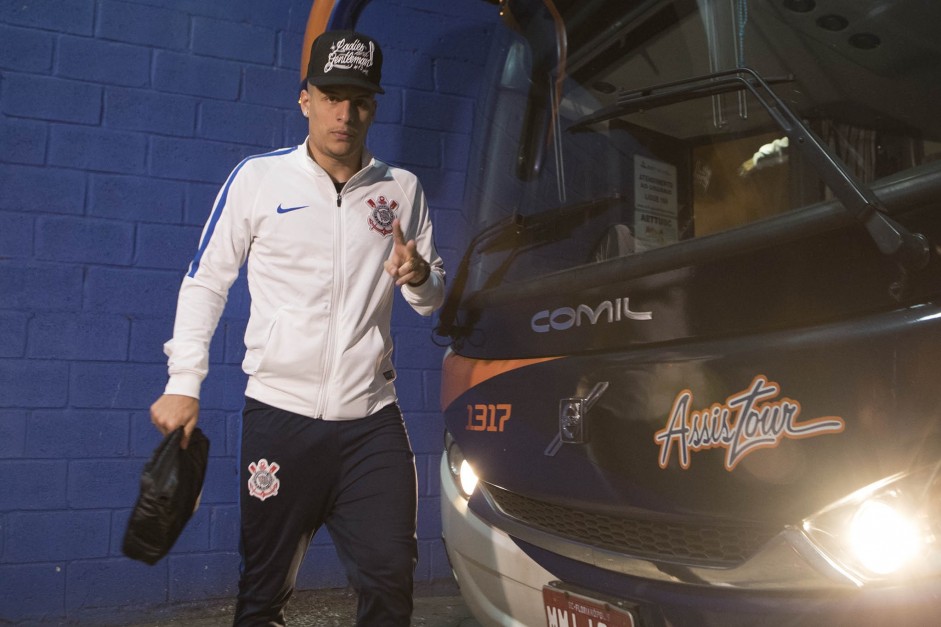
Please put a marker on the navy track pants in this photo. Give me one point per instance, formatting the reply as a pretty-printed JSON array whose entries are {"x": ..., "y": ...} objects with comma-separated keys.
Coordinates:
[{"x": 358, "y": 478}]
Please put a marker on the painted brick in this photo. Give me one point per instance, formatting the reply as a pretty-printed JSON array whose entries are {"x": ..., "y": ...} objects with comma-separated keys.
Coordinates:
[
  {"x": 103, "y": 483},
  {"x": 133, "y": 292},
  {"x": 31, "y": 591},
  {"x": 456, "y": 151},
  {"x": 234, "y": 432},
  {"x": 234, "y": 388},
  {"x": 114, "y": 385},
  {"x": 239, "y": 301},
  {"x": 45, "y": 98},
  {"x": 195, "y": 577},
  {"x": 407, "y": 67},
  {"x": 102, "y": 62},
  {"x": 56, "y": 536},
  {"x": 235, "y": 10},
  {"x": 149, "y": 336},
  {"x": 97, "y": 149},
  {"x": 234, "y": 341},
  {"x": 25, "y": 50},
  {"x": 67, "y": 16},
  {"x": 232, "y": 40},
  {"x": 424, "y": 432},
  {"x": 12, "y": 439},
  {"x": 432, "y": 387},
  {"x": 23, "y": 141},
  {"x": 144, "y": 435},
  {"x": 41, "y": 190},
  {"x": 40, "y": 288},
  {"x": 224, "y": 528},
  {"x": 271, "y": 87},
  {"x": 221, "y": 485},
  {"x": 242, "y": 123},
  {"x": 436, "y": 112},
  {"x": 389, "y": 106},
  {"x": 89, "y": 338},
  {"x": 290, "y": 45},
  {"x": 445, "y": 189},
  {"x": 449, "y": 232},
  {"x": 27, "y": 383},
  {"x": 197, "y": 76},
  {"x": 408, "y": 147},
  {"x": 462, "y": 8},
  {"x": 429, "y": 518},
  {"x": 421, "y": 568},
  {"x": 213, "y": 391},
  {"x": 430, "y": 58},
  {"x": 16, "y": 238},
  {"x": 277, "y": 14},
  {"x": 195, "y": 536},
  {"x": 84, "y": 240},
  {"x": 414, "y": 347},
  {"x": 163, "y": 246},
  {"x": 295, "y": 129},
  {"x": 141, "y": 24},
  {"x": 140, "y": 110},
  {"x": 115, "y": 582},
  {"x": 75, "y": 434},
  {"x": 200, "y": 199},
  {"x": 213, "y": 423},
  {"x": 13, "y": 332},
  {"x": 408, "y": 387},
  {"x": 135, "y": 198},
  {"x": 195, "y": 160},
  {"x": 40, "y": 485},
  {"x": 147, "y": 339}
]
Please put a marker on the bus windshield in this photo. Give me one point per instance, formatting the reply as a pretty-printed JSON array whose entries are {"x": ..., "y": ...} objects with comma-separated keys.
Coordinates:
[{"x": 566, "y": 176}]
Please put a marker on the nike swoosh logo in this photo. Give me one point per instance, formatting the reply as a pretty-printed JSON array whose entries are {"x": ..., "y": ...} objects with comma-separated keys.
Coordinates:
[{"x": 289, "y": 209}]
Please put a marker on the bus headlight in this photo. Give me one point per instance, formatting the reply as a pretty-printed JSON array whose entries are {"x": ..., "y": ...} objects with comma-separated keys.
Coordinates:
[
  {"x": 461, "y": 470},
  {"x": 883, "y": 537},
  {"x": 884, "y": 532}
]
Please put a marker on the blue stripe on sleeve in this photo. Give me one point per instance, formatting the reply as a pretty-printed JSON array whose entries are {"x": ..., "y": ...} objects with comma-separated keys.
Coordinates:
[{"x": 220, "y": 205}]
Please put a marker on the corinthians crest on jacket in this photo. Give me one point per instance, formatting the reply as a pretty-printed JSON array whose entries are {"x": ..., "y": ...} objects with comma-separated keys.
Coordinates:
[{"x": 382, "y": 214}]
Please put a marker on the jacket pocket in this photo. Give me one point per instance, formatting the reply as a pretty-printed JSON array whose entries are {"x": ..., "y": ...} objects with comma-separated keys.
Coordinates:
[{"x": 293, "y": 354}]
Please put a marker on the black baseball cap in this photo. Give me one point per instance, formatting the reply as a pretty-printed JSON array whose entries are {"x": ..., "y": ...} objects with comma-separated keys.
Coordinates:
[{"x": 345, "y": 57}]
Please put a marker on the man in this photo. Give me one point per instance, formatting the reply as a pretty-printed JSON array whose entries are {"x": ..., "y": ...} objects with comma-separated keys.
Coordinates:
[{"x": 328, "y": 232}]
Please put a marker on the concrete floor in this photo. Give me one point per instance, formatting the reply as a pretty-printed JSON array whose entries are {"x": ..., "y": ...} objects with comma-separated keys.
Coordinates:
[{"x": 434, "y": 607}]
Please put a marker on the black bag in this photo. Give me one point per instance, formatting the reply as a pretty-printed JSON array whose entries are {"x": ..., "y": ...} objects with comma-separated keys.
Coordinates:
[{"x": 170, "y": 487}]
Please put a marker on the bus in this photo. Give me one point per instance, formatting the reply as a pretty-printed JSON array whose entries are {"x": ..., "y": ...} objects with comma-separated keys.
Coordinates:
[{"x": 694, "y": 339}]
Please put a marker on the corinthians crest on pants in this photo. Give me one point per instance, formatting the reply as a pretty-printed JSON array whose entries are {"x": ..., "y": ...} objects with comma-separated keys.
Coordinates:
[
  {"x": 263, "y": 483},
  {"x": 382, "y": 214}
]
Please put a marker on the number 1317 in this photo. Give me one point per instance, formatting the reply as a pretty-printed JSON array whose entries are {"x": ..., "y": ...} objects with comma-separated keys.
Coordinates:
[{"x": 488, "y": 417}]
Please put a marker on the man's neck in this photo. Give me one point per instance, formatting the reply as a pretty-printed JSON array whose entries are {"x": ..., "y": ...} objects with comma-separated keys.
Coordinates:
[{"x": 339, "y": 171}]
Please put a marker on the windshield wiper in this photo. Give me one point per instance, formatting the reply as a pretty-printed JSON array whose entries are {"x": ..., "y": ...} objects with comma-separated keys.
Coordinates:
[
  {"x": 514, "y": 233},
  {"x": 909, "y": 250}
]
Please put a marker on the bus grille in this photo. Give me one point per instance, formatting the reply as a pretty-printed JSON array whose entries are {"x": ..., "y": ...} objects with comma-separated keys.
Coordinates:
[{"x": 718, "y": 545}]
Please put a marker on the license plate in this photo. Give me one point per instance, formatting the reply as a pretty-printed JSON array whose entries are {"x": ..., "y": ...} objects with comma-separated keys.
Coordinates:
[{"x": 565, "y": 608}]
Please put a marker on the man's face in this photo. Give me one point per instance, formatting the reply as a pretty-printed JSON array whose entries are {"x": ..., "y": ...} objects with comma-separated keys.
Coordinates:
[{"x": 338, "y": 119}]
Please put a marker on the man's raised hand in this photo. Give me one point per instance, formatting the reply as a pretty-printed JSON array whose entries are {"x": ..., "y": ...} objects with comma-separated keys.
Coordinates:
[{"x": 405, "y": 265}]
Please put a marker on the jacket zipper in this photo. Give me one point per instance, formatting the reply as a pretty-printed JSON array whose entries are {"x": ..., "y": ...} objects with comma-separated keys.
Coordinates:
[{"x": 335, "y": 304}]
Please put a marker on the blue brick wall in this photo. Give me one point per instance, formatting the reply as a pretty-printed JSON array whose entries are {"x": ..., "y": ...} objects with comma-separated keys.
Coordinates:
[{"x": 119, "y": 120}]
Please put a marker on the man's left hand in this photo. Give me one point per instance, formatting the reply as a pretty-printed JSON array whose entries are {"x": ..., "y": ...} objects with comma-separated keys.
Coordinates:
[{"x": 405, "y": 265}]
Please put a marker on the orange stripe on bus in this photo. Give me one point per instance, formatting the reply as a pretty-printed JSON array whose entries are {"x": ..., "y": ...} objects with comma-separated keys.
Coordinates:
[
  {"x": 460, "y": 374},
  {"x": 320, "y": 12}
]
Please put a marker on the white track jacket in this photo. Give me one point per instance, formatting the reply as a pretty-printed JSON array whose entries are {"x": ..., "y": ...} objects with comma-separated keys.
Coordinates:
[{"x": 318, "y": 341}]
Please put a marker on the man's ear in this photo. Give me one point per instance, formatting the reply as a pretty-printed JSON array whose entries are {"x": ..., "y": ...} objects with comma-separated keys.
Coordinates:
[{"x": 303, "y": 100}]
